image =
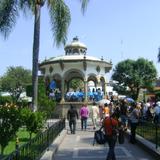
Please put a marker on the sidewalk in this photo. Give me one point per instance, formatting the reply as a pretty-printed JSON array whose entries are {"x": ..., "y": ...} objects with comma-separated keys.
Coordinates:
[{"x": 79, "y": 146}]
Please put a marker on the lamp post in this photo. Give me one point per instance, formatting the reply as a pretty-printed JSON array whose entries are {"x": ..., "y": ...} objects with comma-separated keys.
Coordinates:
[{"x": 17, "y": 147}]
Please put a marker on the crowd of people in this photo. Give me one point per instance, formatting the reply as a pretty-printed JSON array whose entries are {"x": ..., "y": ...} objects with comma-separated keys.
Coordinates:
[
  {"x": 115, "y": 113},
  {"x": 77, "y": 95}
]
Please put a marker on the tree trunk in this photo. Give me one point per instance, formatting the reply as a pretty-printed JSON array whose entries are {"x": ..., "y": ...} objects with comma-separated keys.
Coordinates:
[
  {"x": 35, "y": 57},
  {"x": 137, "y": 93},
  {"x": 2, "y": 150},
  {"x": 30, "y": 136}
]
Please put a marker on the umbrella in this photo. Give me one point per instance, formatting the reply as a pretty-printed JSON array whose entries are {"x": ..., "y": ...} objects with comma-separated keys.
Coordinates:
[
  {"x": 103, "y": 101},
  {"x": 130, "y": 99},
  {"x": 52, "y": 85}
]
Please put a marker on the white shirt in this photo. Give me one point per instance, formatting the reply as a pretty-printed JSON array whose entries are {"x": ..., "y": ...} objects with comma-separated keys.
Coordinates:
[{"x": 95, "y": 111}]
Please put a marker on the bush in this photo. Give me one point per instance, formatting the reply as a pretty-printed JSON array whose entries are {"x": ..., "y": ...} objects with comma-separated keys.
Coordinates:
[
  {"x": 10, "y": 122},
  {"x": 5, "y": 99},
  {"x": 34, "y": 121}
]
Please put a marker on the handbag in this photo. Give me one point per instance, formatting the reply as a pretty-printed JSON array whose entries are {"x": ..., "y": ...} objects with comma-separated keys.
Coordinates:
[{"x": 99, "y": 137}]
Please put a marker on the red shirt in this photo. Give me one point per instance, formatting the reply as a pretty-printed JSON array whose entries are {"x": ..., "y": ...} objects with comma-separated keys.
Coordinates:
[{"x": 108, "y": 123}]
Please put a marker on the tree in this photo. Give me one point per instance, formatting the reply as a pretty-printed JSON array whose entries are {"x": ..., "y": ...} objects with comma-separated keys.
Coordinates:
[
  {"x": 131, "y": 76},
  {"x": 15, "y": 80},
  {"x": 60, "y": 20},
  {"x": 9, "y": 124},
  {"x": 45, "y": 104}
]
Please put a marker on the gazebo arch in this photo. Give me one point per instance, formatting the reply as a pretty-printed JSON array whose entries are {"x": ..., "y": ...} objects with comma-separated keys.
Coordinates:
[
  {"x": 92, "y": 77},
  {"x": 73, "y": 73}
]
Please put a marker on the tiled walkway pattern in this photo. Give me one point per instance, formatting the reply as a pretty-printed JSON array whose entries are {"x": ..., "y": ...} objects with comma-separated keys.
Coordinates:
[{"x": 79, "y": 146}]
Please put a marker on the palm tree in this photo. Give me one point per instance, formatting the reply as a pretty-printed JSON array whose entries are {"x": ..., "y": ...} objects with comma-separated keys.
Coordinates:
[{"x": 60, "y": 19}]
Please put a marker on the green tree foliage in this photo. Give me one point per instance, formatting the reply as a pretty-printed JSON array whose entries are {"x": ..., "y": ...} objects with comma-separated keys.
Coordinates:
[
  {"x": 76, "y": 83},
  {"x": 131, "y": 76},
  {"x": 45, "y": 104},
  {"x": 9, "y": 124},
  {"x": 59, "y": 17},
  {"x": 15, "y": 80},
  {"x": 34, "y": 121}
]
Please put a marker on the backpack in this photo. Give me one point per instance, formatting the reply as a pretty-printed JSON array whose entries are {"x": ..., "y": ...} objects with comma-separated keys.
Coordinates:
[{"x": 99, "y": 137}]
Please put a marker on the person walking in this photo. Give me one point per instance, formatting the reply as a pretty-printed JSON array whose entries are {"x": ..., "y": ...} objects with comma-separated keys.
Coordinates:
[
  {"x": 106, "y": 110},
  {"x": 157, "y": 113},
  {"x": 94, "y": 114},
  {"x": 110, "y": 125},
  {"x": 124, "y": 113},
  {"x": 72, "y": 115},
  {"x": 84, "y": 113},
  {"x": 134, "y": 119}
]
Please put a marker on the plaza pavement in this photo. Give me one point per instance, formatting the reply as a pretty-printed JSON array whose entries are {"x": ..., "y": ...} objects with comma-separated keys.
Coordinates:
[{"x": 79, "y": 146}]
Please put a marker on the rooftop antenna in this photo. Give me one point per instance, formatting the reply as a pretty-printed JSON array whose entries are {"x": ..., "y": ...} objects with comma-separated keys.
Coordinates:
[
  {"x": 122, "y": 54},
  {"x": 158, "y": 56}
]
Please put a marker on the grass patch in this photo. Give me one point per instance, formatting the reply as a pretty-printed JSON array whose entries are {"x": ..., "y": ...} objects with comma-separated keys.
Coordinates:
[{"x": 23, "y": 136}]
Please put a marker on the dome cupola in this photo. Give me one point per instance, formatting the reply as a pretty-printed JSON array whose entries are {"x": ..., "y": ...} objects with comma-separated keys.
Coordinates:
[{"x": 75, "y": 48}]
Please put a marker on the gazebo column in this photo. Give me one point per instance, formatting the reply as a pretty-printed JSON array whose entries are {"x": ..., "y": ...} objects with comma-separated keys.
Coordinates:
[
  {"x": 105, "y": 90},
  {"x": 62, "y": 90},
  {"x": 67, "y": 86},
  {"x": 85, "y": 90},
  {"x": 98, "y": 84}
]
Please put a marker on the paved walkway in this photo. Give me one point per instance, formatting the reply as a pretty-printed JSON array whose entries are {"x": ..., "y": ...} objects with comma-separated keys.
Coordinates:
[{"x": 79, "y": 146}]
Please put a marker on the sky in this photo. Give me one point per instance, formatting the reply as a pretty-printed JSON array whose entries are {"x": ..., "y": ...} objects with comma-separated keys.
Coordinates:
[{"x": 115, "y": 29}]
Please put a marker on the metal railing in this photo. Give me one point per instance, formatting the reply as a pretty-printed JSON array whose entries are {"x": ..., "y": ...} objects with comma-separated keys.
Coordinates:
[
  {"x": 150, "y": 131},
  {"x": 34, "y": 149}
]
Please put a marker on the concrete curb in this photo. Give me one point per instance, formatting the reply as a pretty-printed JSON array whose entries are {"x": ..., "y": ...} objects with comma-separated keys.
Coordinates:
[
  {"x": 147, "y": 145},
  {"x": 53, "y": 148}
]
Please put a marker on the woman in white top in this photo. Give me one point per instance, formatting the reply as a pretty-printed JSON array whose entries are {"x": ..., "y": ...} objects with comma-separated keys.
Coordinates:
[{"x": 94, "y": 114}]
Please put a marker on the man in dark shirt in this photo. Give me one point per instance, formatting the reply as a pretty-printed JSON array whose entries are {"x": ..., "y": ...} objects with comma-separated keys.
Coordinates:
[{"x": 72, "y": 115}]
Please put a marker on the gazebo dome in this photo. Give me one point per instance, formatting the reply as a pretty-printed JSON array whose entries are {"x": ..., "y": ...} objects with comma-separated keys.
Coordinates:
[{"x": 75, "y": 48}]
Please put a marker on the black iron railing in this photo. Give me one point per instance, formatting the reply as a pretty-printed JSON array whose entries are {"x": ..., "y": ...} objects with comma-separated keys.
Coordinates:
[
  {"x": 150, "y": 131},
  {"x": 34, "y": 149}
]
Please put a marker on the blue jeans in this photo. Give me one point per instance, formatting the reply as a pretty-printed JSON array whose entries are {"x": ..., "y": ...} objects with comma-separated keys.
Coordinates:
[
  {"x": 124, "y": 120},
  {"x": 83, "y": 123},
  {"x": 111, "y": 143}
]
